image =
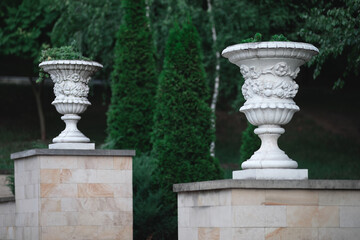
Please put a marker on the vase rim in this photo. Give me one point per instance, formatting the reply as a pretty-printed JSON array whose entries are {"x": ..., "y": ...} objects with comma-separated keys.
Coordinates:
[
  {"x": 269, "y": 45},
  {"x": 73, "y": 62}
]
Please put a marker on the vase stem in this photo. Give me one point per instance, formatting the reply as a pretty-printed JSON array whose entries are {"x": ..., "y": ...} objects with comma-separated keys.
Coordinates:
[
  {"x": 269, "y": 154},
  {"x": 71, "y": 133}
]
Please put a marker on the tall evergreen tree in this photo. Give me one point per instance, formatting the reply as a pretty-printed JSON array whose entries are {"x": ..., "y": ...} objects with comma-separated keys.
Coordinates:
[
  {"x": 134, "y": 82},
  {"x": 182, "y": 128}
]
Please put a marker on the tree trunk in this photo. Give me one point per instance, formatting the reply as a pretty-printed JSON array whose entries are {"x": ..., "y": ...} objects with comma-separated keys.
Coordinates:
[
  {"x": 37, "y": 93},
  {"x": 217, "y": 74}
]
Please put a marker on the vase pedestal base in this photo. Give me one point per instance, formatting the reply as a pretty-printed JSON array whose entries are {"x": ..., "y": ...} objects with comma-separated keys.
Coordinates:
[
  {"x": 271, "y": 174},
  {"x": 83, "y": 146}
]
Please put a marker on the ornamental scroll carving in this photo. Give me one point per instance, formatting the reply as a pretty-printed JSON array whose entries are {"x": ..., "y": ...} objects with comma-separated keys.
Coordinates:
[
  {"x": 280, "y": 88},
  {"x": 73, "y": 85}
]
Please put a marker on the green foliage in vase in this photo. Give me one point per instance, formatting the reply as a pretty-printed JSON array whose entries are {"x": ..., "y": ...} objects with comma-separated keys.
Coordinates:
[
  {"x": 334, "y": 27},
  {"x": 278, "y": 38},
  {"x": 133, "y": 82},
  {"x": 182, "y": 127},
  {"x": 258, "y": 38},
  {"x": 61, "y": 53}
]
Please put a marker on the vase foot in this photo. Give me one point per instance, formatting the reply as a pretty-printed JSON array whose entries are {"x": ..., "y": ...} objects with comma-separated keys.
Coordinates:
[
  {"x": 80, "y": 146},
  {"x": 269, "y": 154},
  {"x": 271, "y": 174},
  {"x": 268, "y": 163},
  {"x": 71, "y": 133}
]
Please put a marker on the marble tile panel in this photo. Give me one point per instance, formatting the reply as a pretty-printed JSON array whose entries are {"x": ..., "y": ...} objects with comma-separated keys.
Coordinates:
[
  {"x": 259, "y": 216},
  {"x": 59, "y": 219},
  {"x": 339, "y": 233},
  {"x": 105, "y": 163},
  {"x": 312, "y": 216},
  {"x": 115, "y": 232},
  {"x": 122, "y": 190},
  {"x": 123, "y": 163},
  {"x": 114, "y": 176},
  {"x": 247, "y": 234},
  {"x": 187, "y": 233},
  {"x": 51, "y": 205},
  {"x": 53, "y": 190},
  {"x": 209, "y": 233},
  {"x": 50, "y": 176},
  {"x": 58, "y": 162},
  {"x": 339, "y": 198},
  {"x": 86, "y": 190},
  {"x": 291, "y": 233},
  {"x": 291, "y": 197},
  {"x": 187, "y": 199},
  {"x": 350, "y": 216},
  {"x": 241, "y": 197}
]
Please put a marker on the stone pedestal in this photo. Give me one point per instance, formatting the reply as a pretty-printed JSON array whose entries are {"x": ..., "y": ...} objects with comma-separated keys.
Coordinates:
[
  {"x": 271, "y": 174},
  {"x": 73, "y": 194},
  {"x": 269, "y": 210}
]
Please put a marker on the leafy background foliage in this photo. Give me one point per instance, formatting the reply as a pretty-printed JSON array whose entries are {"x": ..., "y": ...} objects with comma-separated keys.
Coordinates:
[
  {"x": 334, "y": 26},
  {"x": 91, "y": 25}
]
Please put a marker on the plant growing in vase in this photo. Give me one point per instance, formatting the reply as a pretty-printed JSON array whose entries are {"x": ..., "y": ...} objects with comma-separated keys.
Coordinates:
[
  {"x": 269, "y": 70},
  {"x": 71, "y": 73}
]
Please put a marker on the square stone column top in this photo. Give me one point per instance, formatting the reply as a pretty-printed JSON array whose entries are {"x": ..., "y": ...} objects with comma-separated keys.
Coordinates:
[
  {"x": 72, "y": 152},
  {"x": 267, "y": 184}
]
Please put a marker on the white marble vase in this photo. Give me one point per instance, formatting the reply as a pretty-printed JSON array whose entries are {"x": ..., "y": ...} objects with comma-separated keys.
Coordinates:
[
  {"x": 269, "y": 70},
  {"x": 71, "y": 78}
]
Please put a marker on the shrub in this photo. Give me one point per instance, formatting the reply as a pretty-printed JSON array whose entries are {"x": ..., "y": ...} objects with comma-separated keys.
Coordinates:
[
  {"x": 150, "y": 221},
  {"x": 133, "y": 82},
  {"x": 182, "y": 127}
]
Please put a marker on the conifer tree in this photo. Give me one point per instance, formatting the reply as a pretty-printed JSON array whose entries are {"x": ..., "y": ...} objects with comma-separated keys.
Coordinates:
[
  {"x": 130, "y": 115},
  {"x": 182, "y": 127}
]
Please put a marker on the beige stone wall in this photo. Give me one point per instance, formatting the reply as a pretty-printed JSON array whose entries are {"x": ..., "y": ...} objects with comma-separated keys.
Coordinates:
[
  {"x": 268, "y": 214},
  {"x": 7, "y": 220},
  {"x": 73, "y": 197},
  {"x": 27, "y": 177}
]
